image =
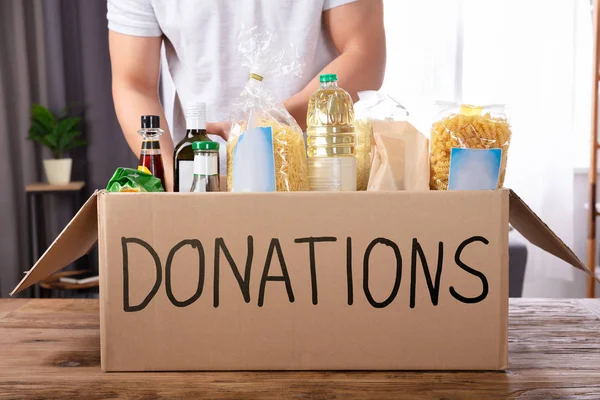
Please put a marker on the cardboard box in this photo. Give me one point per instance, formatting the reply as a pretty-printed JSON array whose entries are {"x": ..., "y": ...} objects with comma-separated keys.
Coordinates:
[{"x": 294, "y": 281}]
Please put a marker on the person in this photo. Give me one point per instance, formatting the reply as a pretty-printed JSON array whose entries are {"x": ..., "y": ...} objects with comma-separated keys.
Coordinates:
[{"x": 345, "y": 37}]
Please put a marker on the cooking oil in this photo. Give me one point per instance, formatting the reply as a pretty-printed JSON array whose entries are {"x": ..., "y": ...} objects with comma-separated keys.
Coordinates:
[{"x": 331, "y": 141}]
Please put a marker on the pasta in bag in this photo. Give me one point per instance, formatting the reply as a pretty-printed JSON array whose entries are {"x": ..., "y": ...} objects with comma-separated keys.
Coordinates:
[
  {"x": 257, "y": 107},
  {"x": 467, "y": 127},
  {"x": 372, "y": 106}
]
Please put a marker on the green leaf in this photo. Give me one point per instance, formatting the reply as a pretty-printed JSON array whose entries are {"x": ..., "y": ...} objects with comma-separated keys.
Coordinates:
[
  {"x": 51, "y": 139},
  {"x": 65, "y": 132},
  {"x": 58, "y": 135},
  {"x": 43, "y": 117},
  {"x": 67, "y": 124},
  {"x": 35, "y": 130},
  {"x": 44, "y": 142},
  {"x": 63, "y": 141}
]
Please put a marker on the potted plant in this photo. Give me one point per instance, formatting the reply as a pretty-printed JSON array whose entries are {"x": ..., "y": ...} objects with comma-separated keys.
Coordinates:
[{"x": 59, "y": 133}]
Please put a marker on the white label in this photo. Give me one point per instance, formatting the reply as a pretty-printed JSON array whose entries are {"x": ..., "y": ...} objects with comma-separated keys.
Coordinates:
[
  {"x": 332, "y": 173},
  {"x": 186, "y": 175},
  {"x": 195, "y": 123},
  {"x": 206, "y": 164},
  {"x": 348, "y": 173}
]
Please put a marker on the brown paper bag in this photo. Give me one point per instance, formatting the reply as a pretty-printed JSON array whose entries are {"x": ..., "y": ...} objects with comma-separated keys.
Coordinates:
[{"x": 401, "y": 157}]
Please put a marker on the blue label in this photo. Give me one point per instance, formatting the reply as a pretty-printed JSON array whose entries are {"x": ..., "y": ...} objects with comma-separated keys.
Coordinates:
[
  {"x": 474, "y": 169},
  {"x": 254, "y": 162}
]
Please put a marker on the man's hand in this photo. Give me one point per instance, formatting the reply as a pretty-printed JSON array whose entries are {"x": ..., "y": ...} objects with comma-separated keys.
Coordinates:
[
  {"x": 356, "y": 30},
  {"x": 135, "y": 73},
  {"x": 218, "y": 128}
]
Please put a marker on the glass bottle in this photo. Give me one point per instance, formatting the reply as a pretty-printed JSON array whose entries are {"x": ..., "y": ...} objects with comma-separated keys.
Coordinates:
[
  {"x": 150, "y": 157},
  {"x": 331, "y": 141},
  {"x": 206, "y": 167},
  {"x": 183, "y": 157}
]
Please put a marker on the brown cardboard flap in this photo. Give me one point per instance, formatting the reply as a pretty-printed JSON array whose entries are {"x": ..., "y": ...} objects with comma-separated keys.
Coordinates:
[
  {"x": 74, "y": 241},
  {"x": 524, "y": 220}
]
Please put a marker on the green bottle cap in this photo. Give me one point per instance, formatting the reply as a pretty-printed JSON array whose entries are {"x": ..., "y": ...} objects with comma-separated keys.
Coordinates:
[
  {"x": 328, "y": 78},
  {"x": 205, "y": 146}
]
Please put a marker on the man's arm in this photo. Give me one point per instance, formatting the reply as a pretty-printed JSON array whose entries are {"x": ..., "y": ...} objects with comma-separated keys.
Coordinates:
[
  {"x": 135, "y": 64},
  {"x": 356, "y": 30}
]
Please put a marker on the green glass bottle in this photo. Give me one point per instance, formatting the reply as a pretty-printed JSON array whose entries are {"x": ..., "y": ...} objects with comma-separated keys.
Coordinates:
[
  {"x": 183, "y": 157},
  {"x": 206, "y": 167}
]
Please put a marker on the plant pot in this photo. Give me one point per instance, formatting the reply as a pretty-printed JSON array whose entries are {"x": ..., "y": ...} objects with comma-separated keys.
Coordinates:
[{"x": 58, "y": 172}]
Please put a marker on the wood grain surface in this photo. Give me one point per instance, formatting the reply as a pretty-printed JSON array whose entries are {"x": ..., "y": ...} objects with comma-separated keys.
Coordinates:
[
  {"x": 50, "y": 349},
  {"x": 47, "y": 187}
]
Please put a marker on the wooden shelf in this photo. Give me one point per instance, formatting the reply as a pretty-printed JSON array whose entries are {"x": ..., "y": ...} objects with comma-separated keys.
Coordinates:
[
  {"x": 46, "y": 187},
  {"x": 52, "y": 282}
]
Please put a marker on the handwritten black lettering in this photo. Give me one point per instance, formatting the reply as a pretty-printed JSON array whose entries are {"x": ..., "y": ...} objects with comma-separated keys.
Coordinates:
[
  {"x": 481, "y": 276},
  {"x": 196, "y": 244},
  {"x": 274, "y": 246},
  {"x": 434, "y": 287},
  {"x": 244, "y": 282},
  {"x": 366, "y": 289},
  {"x": 313, "y": 263},
  {"x": 126, "y": 306},
  {"x": 349, "y": 271}
]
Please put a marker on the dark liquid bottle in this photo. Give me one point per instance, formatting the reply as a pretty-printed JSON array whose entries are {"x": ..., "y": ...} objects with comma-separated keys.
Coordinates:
[
  {"x": 150, "y": 157},
  {"x": 183, "y": 157}
]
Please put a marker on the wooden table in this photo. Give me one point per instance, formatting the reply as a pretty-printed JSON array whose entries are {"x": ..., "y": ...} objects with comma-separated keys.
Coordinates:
[{"x": 50, "y": 349}]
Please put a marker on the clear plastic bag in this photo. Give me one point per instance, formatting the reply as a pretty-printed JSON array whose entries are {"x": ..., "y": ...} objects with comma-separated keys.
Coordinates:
[
  {"x": 468, "y": 127},
  {"x": 374, "y": 106},
  {"x": 257, "y": 107}
]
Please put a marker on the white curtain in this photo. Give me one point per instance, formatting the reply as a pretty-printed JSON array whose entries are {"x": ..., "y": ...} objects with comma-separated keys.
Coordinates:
[{"x": 534, "y": 56}]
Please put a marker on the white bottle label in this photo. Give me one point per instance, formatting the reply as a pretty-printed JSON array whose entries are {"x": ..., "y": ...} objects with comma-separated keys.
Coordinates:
[
  {"x": 332, "y": 173},
  {"x": 186, "y": 175},
  {"x": 206, "y": 165}
]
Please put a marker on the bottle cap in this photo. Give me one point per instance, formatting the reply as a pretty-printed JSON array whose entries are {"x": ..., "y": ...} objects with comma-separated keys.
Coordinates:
[
  {"x": 150, "y": 122},
  {"x": 328, "y": 78},
  {"x": 205, "y": 146},
  {"x": 195, "y": 116}
]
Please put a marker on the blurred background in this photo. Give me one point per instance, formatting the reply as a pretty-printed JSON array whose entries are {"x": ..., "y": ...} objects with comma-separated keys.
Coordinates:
[{"x": 535, "y": 56}]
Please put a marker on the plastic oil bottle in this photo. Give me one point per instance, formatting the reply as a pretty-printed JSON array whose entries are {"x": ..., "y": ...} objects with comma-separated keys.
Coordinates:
[{"x": 331, "y": 141}]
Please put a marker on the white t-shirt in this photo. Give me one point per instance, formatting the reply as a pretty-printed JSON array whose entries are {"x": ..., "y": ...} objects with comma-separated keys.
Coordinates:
[{"x": 202, "y": 50}]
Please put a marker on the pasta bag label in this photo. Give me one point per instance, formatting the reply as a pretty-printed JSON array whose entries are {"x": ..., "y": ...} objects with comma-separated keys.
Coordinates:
[
  {"x": 254, "y": 162},
  {"x": 474, "y": 169},
  {"x": 467, "y": 109}
]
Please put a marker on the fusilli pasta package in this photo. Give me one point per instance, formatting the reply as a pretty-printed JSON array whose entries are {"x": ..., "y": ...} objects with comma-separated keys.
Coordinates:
[
  {"x": 467, "y": 127},
  {"x": 248, "y": 168}
]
